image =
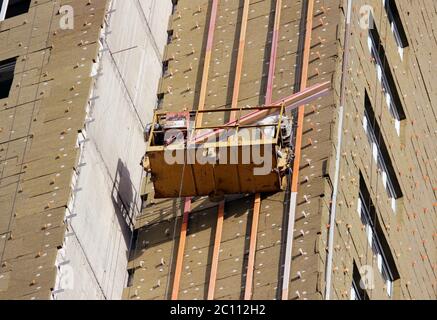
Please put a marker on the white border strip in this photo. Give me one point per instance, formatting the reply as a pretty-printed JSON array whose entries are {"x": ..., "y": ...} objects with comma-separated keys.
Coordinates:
[{"x": 3, "y": 10}]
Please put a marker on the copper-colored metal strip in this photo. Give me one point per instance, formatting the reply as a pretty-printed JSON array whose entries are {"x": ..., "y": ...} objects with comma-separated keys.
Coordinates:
[
  {"x": 257, "y": 205},
  {"x": 216, "y": 252},
  {"x": 202, "y": 99},
  {"x": 207, "y": 61},
  {"x": 304, "y": 80},
  {"x": 181, "y": 249},
  {"x": 273, "y": 54},
  {"x": 298, "y": 147},
  {"x": 219, "y": 228},
  {"x": 239, "y": 66},
  {"x": 252, "y": 248}
]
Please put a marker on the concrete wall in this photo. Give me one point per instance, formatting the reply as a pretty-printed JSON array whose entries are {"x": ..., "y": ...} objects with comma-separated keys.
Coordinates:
[{"x": 93, "y": 262}]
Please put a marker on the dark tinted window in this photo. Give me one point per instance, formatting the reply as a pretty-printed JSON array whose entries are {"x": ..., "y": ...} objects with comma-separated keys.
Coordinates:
[
  {"x": 380, "y": 246},
  {"x": 17, "y": 7},
  {"x": 388, "y": 80},
  {"x": 384, "y": 160},
  {"x": 7, "y": 68},
  {"x": 396, "y": 22},
  {"x": 358, "y": 285}
]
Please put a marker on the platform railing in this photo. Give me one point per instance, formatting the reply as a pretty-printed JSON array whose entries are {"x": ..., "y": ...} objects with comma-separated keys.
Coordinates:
[{"x": 183, "y": 129}]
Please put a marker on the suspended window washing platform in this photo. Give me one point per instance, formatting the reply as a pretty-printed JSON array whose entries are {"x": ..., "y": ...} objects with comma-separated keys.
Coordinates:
[
  {"x": 237, "y": 157},
  {"x": 203, "y": 153}
]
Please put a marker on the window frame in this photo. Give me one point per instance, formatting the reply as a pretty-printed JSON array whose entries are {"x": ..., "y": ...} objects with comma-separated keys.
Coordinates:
[
  {"x": 396, "y": 25},
  {"x": 5, "y": 64},
  {"x": 369, "y": 218},
  {"x": 379, "y": 159},
  {"x": 380, "y": 153},
  {"x": 357, "y": 292},
  {"x": 4, "y": 6},
  {"x": 385, "y": 76}
]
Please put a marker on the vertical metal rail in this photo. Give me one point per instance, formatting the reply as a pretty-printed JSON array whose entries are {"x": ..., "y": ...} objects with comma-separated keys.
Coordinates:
[
  {"x": 252, "y": 248},
  {"x": 257, "y": 205},
  {"x": 273, "y": 54},
  {"x": 298, "y": 146},
  {"x": 202, "y": 99},
  {"x": 220, "y": 216},
  {"x": 216, "y": 251},
  {"x": 338, "y": 155},
  {"x": 181, "y": 249},
  {"x": 239, "y": 67},
  {"x": 207, "y": 60}
]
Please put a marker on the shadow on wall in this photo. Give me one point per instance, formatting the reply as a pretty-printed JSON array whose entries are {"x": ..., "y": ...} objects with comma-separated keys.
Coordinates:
[
  {"x": 154, "y": 236},
  {"x": 124, "y": 197}
]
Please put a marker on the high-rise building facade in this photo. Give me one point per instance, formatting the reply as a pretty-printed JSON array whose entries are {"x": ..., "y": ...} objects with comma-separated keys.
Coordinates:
[
  {"x": 78, "y": 85},
  {"x": 353, "y": 215},
  {"x": 363, "y": 223}
]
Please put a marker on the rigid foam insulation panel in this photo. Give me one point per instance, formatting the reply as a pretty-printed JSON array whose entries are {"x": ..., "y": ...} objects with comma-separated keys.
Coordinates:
[
  {"x": 410, "y": 231},
  {"x": 39, "y": 126}
]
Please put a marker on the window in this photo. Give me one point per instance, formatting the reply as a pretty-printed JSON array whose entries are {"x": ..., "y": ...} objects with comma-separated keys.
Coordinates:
[
  {"x": 130, "y": 278},
  {"x": 170, "y": 36},
  {"x": 357, "y": 290},
  {"x": 165, "y": 72},
  {"x": 375, "y": 236},
  {"x": 174, "y": 6},
  {"x": 12, "y": 8},
  {"x": 3, "y": 5},
  {"x": 386, "y": 78},
  {"x": 380, "y": 153},
  {"x": 396, "y": 25},
  {"x": 160, "y": 101},
  {"x": 7, "y": 69}
]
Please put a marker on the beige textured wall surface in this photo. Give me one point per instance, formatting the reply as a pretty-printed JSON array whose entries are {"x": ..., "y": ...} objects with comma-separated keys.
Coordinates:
[
  {"x": 410, "y": 231},
  {"x": 39, "y": 126},
  {"x": 153, "y": 257}
]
